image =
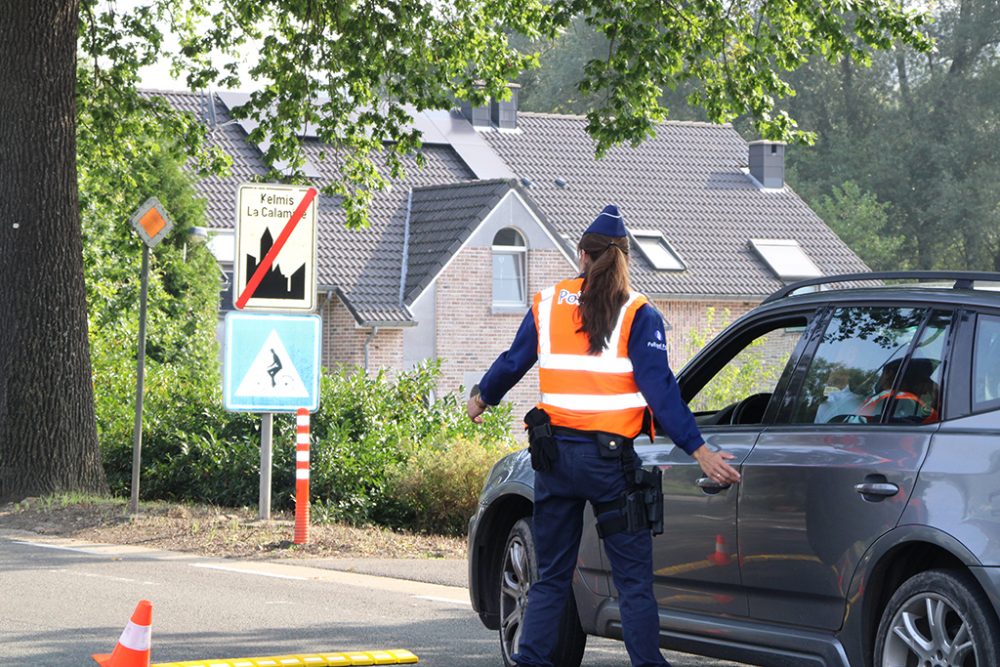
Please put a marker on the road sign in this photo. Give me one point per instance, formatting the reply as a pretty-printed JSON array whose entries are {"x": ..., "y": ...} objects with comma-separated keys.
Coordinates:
[
  {"x": 272, "y": 362},
  {"x": 152, "y": 222},
  {"x": 275, "y": 263}
]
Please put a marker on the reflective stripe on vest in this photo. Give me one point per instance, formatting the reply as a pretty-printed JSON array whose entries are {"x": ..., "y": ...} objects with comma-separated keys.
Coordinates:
[{"x": 591, "y": 392}]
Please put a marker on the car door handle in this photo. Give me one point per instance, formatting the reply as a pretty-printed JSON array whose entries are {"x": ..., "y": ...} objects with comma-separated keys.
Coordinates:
[
  {"x": 709, "y": 484},
  {"x": 880, "y": 490}
]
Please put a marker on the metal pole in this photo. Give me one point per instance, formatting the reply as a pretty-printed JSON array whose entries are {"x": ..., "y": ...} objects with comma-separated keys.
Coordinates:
[
  {"x": 266, "y": 432},
  {"x": 140, "y": 372}
]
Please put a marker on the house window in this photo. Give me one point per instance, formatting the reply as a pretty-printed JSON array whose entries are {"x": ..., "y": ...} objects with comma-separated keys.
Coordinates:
[
  {"x": 656, "y": 250},
  {"x": 786, "y": 259},
  {"x": 509, "y": 275}
]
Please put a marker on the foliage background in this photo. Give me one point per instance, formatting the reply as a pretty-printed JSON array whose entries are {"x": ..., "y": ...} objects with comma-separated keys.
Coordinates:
[
  {"x": 382, "y": 451},
  {"x": 903, "y": 165}
]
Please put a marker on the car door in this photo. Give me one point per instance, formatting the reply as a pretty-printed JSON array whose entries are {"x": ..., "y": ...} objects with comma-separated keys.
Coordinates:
[
  {"x": 835, "y": 470},
  {"x": 729, "y": 387}
]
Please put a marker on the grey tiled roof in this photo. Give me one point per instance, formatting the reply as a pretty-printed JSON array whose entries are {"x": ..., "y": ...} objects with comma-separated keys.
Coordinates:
[
  {"x": 442, "y": 218},
  {"x": 363, "y": 266},
  {"x": 688, "y": 183}
]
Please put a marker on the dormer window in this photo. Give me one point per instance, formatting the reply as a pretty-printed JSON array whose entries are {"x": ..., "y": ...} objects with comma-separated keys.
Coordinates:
[
  {"x": 656, "y": 250},
  {"x": 510, "y": 279}
]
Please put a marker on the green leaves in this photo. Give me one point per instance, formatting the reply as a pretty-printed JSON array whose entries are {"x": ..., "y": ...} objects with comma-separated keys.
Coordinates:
[{"x": 350, "y": 73}]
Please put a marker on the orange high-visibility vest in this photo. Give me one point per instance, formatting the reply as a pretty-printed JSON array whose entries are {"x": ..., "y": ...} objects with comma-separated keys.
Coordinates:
[
  {"x": 579, "y": 390},
  {"x": 872, "y": 408}
]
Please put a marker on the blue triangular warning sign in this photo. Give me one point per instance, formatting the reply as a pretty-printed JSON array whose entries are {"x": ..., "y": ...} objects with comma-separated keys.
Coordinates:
[{"x": 272, "y": 373}]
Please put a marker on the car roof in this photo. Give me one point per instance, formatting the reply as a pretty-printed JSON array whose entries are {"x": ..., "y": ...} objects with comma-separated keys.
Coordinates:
[{"x": 953, "y": 287}]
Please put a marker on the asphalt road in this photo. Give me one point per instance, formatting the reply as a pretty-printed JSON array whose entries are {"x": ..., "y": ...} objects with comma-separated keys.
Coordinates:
[{"x": 60, "y": 601}]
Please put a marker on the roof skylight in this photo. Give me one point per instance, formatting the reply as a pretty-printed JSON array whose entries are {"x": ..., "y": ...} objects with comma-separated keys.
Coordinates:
[
  {"x": 654, "y": 247},
  {"x": 786, "y": 258}
]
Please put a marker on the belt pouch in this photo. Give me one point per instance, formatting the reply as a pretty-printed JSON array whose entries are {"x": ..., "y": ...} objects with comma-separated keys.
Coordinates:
[
  {"x": 610, "y": 445},
  {"x": 541, "y": 443}
]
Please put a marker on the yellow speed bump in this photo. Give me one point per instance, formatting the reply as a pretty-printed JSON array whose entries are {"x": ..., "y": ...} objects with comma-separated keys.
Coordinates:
[{"x": 390, "y": 657}]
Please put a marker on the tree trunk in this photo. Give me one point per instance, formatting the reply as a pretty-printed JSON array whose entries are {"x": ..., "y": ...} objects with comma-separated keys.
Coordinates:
[
  {"x": 48, "y": 437},
  {"x": 904, "y": 82},
  {"x": 850, "y": 96}
]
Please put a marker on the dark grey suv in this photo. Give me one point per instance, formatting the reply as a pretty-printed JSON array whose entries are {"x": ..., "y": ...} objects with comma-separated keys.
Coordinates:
[{"x": 865, "y": 419}]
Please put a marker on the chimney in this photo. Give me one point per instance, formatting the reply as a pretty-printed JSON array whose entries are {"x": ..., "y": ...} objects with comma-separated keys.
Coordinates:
[
  {"x": 767, "y": 163},
  {"x": 479, "y": 116},
  {"x": 503, "y": 113}
]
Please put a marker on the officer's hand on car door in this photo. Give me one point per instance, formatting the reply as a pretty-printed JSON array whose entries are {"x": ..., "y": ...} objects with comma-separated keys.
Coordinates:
[{"x": 713, "y": 464}]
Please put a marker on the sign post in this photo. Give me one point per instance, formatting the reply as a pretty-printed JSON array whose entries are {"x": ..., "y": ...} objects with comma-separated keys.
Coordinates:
[
  {"x": 266, "y": 438},
  {"x": 275, "y": 270},
  {"x": 152, "y": 223}
]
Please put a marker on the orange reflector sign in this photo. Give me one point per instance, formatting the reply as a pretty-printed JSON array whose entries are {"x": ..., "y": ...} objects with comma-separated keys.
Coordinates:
[{"x": 152, "y": 222}]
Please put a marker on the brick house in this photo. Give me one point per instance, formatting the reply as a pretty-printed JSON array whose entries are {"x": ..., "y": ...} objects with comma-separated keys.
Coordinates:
[{"x": 456, "y": 250}]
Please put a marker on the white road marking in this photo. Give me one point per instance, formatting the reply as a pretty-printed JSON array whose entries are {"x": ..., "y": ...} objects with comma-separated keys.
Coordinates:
[
  {"x": 93, "y": 575},
  {"x": 58, "y": 547},
  {"x": 240, "y": 570},
  {"x": 435, "y": 598},
  {"x": 283, "y": 570}
]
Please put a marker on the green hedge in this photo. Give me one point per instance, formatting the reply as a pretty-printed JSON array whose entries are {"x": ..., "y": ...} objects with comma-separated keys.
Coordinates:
[
  {"x": 368, "y": 429},
  {"x": 381, "y": 453}
]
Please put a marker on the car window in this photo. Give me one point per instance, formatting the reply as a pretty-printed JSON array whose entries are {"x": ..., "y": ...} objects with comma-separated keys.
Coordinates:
[
  {"x": 918, "y": 392},
  {"x": 857, "y": 359},
  {"x": 750, "y": 375},
  {"x": 986, "y": 365}
]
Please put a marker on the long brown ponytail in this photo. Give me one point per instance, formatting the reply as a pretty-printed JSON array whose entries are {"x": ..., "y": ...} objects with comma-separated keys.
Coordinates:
[{"x": 605, "y": 287}]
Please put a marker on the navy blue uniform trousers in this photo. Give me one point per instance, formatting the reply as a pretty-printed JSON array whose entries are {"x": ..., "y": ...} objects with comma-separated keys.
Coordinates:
[{"x": 579, "y": 475}]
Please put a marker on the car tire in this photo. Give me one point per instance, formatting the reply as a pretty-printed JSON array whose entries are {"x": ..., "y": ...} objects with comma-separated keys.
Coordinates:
[
  {"x": 939, "y": 618},
  {"x": 518, "y": 572}
]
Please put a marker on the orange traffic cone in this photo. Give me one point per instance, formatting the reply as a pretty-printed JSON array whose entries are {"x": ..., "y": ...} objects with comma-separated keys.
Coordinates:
[
  {"x": 719, "y": 556},
  {"x": 134, "y": 645}
]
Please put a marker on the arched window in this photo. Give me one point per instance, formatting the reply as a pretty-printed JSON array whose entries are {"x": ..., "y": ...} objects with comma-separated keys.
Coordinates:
[{"x": 510, "y": 280}]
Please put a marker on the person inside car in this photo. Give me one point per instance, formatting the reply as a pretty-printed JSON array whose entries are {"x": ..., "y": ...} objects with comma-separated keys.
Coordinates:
[
  {"x": 841, "y": 398},
  {"x": 914, "y": 402}
]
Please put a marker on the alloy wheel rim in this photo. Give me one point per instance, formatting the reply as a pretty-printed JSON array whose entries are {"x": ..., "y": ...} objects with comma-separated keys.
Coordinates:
[
  {"x": 514, "y": 584},
  {"x": 929, "y": 631}
]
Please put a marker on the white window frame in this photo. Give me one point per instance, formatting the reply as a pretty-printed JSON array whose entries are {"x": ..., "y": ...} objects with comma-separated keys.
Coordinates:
[
  {"x": 521, "y": 251},
  {"x": 671, "y": 262}
]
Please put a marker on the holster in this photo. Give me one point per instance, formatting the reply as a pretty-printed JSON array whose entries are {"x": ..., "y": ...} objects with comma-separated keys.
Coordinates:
[
  {"x": 641, "y": 506},
  {"x": 541, "y": 442},
  {"x": 652, "y": 496}
]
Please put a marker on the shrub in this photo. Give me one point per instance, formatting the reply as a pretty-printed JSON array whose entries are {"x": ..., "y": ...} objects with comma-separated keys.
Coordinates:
[
  {"x": 367, "y": 426},
  {"x": 436, "y": 488}
]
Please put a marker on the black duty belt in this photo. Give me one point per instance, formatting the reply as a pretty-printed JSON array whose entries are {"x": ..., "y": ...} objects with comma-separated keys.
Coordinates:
[{"x": 596, "y": 436}]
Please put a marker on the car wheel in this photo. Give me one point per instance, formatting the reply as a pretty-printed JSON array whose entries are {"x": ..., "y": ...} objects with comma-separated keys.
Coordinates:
[
  {"x": 938, "y": 618},
  {"x": 519, "y": 571}
]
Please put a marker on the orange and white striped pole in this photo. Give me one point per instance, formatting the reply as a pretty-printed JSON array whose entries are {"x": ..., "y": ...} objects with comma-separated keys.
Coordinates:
[{"x": 302, "y": 476}]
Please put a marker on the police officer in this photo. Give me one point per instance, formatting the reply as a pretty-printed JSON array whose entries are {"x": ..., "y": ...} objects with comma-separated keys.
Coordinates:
[{"x": 602, "y": 361}]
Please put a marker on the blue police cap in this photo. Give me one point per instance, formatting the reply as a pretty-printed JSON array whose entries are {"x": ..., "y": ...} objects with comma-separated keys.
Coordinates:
[{"x": 608, "y": 223}]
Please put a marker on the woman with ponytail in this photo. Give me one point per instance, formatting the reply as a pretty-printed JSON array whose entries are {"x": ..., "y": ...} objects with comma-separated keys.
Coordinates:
[{"x": 603, "y": 376}]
